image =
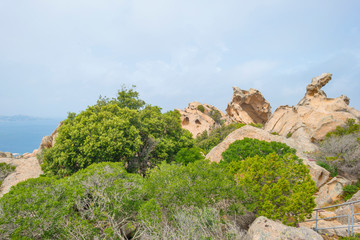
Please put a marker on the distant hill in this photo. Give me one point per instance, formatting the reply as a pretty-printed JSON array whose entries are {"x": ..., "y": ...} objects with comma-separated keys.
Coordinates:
[{"x": 18, "y": 118}]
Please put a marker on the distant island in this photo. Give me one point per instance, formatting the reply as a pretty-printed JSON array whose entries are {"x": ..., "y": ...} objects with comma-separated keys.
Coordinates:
[{"x": 19, "y": 118}]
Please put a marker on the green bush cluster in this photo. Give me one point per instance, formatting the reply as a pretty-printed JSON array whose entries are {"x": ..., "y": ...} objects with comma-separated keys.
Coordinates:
[
  {"x": 104, "y": 201},
  {"x": 206, "y": 141},
  {"x": 257, "y": 125},
  {"x": 350, "y": 190},
  {"x": 117, "y": 130},
  {"x": 248, "y": 147},
  {"x": 201, "y": 108},
  {"x": 331, "y": 168},
  {"x": 5, "y": 170},
  {"x": 216, "y": 116}
]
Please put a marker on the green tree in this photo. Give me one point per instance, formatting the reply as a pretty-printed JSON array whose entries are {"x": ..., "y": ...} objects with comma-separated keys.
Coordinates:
[
  {"x": 188, "y": 155},
  {"x": 277, "y": 187}
]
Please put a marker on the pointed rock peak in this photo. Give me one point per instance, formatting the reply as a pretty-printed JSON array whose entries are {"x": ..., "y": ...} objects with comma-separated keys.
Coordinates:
[
  {"x": 314, "y": 88},
  {"x": 248, "y": 106}
]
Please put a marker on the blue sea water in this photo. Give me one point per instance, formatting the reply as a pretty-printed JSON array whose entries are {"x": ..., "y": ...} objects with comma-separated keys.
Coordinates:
[{"x": 23, "y": 136}]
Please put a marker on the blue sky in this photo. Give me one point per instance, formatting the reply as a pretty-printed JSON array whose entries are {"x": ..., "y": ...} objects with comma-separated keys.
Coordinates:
[{"x": 59, "y": 56}]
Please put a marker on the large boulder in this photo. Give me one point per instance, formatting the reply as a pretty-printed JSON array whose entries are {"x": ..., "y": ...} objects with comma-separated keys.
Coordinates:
[
  {"x": 331, "y": 191},
  {"x": 318, "y": 174},
  {"x": 198, "y": 118},
  {"x": 314, "y": 116},
  {"x": 25, "y": 169},
  {"x": 248, "y": 107},
  {"x": 344, "y": 210},
  {"x": 6, "y": 155},
  {"x": 265, "y": 229}
]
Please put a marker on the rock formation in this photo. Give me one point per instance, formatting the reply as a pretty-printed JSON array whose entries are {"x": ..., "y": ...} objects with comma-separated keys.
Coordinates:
[
  {"x": 331, "y": 191},
  {"x": 6, "y": 155},
  {"x": 264, "y": 228},
  {"x": 318, "y": 174},
  {"x": 248, "y": 107},
  {"x": 25, "y": 169},
  {"x": 314, "y": 116},
  {"x": 48, "y": 141},
  {"x": 199, "y": 117}
]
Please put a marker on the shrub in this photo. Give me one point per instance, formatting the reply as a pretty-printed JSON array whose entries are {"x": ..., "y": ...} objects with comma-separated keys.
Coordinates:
[
  {"x": 275, "y": 133},
  {"x": 348, "y": 128},
  {"x": 248, "y": 147},
  {"x": 201, "y": 108},
  {"x": 216, "y": 116},
  {"x": 331, "y": 168},
  {"x": 188, "y": 155},
  {"x": 207, "y": 141},
  {"x": 349, "y": 191},
  {"x": 5, "y": 170},
  {"x": 113, "y": 131},
  {"x": 257, "y": 125},
  {"x": 277, "y": 187}
]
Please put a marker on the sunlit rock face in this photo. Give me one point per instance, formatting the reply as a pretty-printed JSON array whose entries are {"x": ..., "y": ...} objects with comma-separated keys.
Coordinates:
[
  {"x": 248, "y": 107},
  {"x": 315, "y": 115}
]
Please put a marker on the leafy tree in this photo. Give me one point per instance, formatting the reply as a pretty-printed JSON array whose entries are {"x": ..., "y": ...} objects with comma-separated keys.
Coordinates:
[
  {"x": 116, "y": 131},
  {"x": 248, "y": 147},
  {"x": 277, "y": 187}
]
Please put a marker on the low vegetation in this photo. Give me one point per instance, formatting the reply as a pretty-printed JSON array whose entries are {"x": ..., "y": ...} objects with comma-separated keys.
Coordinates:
[
  {"x": 340, "y": 150},
  {"x": 5, "y": 170}
]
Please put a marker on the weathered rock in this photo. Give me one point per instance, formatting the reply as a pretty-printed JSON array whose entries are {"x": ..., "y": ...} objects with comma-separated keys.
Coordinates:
[
  {"x": 198, "y": 121},
  {"x": 344, "y": 210},
  {"x": 29, "y": 155},
  {"x": 331, "y": 191},
  {"x": 25, "y": 169},
  {"x": 265, "y": 229},
  {"x": 248, "y": 107},
  {"x": 314, "y": 116},
  {"x": 318, "y": 174},
  {"x": 6, "y": 155},
  {"x": 49, "y": 141},
  {"x": 337, "y": 232}
]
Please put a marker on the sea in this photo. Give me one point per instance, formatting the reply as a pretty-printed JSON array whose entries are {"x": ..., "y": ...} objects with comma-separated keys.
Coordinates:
[{"x": 19, "y": 134}]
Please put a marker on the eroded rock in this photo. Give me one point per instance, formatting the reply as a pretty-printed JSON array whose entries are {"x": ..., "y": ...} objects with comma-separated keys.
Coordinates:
[
  {"x": 198, "y": 118},
  {"x": 49, "y": 141},
  {"x": 314, "y": 116},
  {"x": 6, "y": 155},
  {"x": 331, "y": 191},
  {"x": 248, "y": 107},
  {"x": 263, "y": 228}
]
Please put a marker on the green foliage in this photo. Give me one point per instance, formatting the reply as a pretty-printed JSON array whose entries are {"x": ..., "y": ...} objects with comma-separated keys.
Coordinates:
[
  {"x": 288, "y": 135},
  {"x": 188, "y": 155},
  {"x": 5, "y": 170},
  {"x": 248, "y": 147},
  {"x": 277, "y": 187},
  {"x": 275, "y": 133},
  {"x": 207, "y": 141},
  {"x": 257, "y": 125},
  {"x": 201, "y": 108},
  {"x": 349, "y": 191},
  {"x": 331, "y": 168},
  {"x": 349, "y": 128},
  {"x": 215, "y": 115},
  {"x": 355, "y": 237},
  {"x": 116, "y": 131},
  {"x": 200, "y": 183}
]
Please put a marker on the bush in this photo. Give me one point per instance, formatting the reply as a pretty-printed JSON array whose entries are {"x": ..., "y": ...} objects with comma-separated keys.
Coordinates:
[
  {"x": 248, "y": 147},
  {"x": 349, "y": 191},
  {"x": 216, "y": 116},
  {"x": 277, "y": 187},
  {"x": 332, "y": 169},
  {"x": 207, "y": 141},
  {"x": 5, "y": 170},
  {"x": 113, "y": 131},
  {"x": 189, "y": 155},
  {"x": 341, "y": 150},
  {"x": 201, "y": 108},
  {"x": 257, "y": 125}
]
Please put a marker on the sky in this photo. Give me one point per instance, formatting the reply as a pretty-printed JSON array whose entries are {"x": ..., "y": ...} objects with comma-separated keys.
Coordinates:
[{"x": 59, "y": 56}]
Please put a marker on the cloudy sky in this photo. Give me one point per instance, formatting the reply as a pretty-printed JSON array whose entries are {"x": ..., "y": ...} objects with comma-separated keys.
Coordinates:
[{"x": 58, "y": 56}]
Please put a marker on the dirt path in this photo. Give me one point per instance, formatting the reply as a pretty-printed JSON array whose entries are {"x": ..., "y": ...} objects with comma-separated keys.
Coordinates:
[{"x": 25, "y": 169}]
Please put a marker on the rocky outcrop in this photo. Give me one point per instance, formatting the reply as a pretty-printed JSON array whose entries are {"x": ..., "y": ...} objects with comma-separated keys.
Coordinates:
[
  {"x": 331, "y": 191},
  {"x": 49, "y": 141},
  {"x": 263, "y": 228},
  {"x": 198, "y": 118},
  {"x": 318, "y": 174},
  {"x": 248, "y": 107},
  {"x": 314, "y": 116},
  {"x": 25, "y": 169},
  {"x": 344, "y": 210},
  {"x": 6, "y": 155}
]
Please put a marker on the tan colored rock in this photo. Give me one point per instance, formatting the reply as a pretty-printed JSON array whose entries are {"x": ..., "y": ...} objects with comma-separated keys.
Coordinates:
[
  {"x": 327, "y": 214},
  {"x": 265, "y": 229},
  {"x": 314, "y": 116},
  {"x": 318, "y": 174},
  {"x": 248, "y": 107},
  {"x": 331, "y": 191},
  {"x": 337, "y": 232},
  {"x": 48, "y": 141},
  {"x": 344, "y": 210},
  {"x": 25, "y": 169},
  {"x": 6, "y": 155},
  {"x": 29, "y": 155},
  {"x": 197, "y": 121}
]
